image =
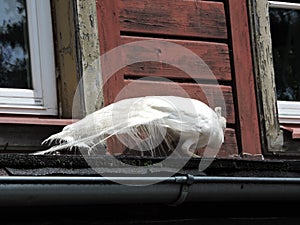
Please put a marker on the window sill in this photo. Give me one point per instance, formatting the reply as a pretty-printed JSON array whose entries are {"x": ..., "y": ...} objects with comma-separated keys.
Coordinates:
[
  {"x": 294, "y": 129},
  {"x": 33, "y": 120}
]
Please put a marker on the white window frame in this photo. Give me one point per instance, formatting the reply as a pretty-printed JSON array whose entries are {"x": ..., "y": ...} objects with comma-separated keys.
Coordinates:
[
  {"x": 288, "y": 111},
  {"x": 42, "y": 100}
]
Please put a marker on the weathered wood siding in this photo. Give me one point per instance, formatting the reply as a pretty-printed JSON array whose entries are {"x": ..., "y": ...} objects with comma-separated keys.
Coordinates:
[
  {"x": 197, "y": 19},
  {"x": 65, "y": 44},
  {"x": 273, "y": 140},
  {"x": 200, "y": 26}
]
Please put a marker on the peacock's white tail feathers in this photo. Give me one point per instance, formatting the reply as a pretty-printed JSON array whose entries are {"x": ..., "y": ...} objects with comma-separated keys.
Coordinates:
[{"x": 140, "y": 137}]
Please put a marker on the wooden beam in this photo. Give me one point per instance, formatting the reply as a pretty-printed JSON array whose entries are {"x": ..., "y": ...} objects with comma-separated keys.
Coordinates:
[
  {"x": 244, "y": 78},
  {"x": 109, "y": 37},
  {"x": 66, "y": 58},
  {"x": 180, "y": 18}
]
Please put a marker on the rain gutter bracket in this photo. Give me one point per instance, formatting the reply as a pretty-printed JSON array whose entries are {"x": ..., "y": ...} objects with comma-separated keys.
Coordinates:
[{"x": 184, "y": 189}]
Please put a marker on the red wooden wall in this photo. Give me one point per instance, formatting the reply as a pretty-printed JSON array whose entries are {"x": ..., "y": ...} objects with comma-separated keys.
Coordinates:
[{"x": 216, "y": 31}]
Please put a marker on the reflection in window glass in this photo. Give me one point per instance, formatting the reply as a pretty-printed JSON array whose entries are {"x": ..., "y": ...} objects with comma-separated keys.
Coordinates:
[
  {"x": 285, "y": 31},
  {"x": 14, "y": 48},
  {"x": 290, "y": 1}
]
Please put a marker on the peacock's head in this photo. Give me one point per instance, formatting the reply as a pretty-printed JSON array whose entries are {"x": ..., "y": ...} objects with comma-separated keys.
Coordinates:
[{"x": 222, "y": 120}]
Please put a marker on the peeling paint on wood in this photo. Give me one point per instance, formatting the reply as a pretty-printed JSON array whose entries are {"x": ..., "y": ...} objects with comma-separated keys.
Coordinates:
[
  {"x": 66, "y": 60},
  {"x": 78, "y": 57},
  {"x": 87, "y": 27},
  {"x": 264, "y": 70}
]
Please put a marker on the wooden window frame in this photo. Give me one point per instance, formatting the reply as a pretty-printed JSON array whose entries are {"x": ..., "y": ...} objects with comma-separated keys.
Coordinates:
[
  {"x": 271, "y": 133},
  {"x": 277, "y": 118},
  {"x": 288, "y": 111},
  {"x": 42, "y": 99}
]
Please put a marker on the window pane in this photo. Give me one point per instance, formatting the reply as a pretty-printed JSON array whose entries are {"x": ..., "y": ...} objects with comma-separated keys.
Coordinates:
[
  {"x": 290, "y": 1},
  {"x": 285, "y": 31},
  {"x": 14, "y": 47}
]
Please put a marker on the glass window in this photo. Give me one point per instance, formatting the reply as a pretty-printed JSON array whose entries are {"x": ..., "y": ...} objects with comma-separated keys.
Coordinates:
[
  {"x": 285, "y": 32},
  {"x": 27, "y": 71},
  {"x": 14, "y": 46}
]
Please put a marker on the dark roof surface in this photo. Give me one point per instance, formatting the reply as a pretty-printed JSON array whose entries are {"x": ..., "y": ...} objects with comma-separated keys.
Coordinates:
[{"x": 39, "y": 165}]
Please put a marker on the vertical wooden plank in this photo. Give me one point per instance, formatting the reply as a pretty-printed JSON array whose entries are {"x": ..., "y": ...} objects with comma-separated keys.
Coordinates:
[
  {"x": 244, "y": 78},
  {"x": 109, "y": 38},
  {"x": 65, "y": 45},
  {"x": 272, "y": 135},
  {"x": 89, "y": 52},
  {"x": 108, "y": 24}
]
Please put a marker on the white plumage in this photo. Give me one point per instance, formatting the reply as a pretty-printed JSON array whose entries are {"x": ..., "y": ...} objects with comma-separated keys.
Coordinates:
[{"x": 143, "y": 124}]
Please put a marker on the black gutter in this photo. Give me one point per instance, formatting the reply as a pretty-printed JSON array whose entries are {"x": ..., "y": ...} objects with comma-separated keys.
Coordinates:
[{"x": 53, "y": 190}]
